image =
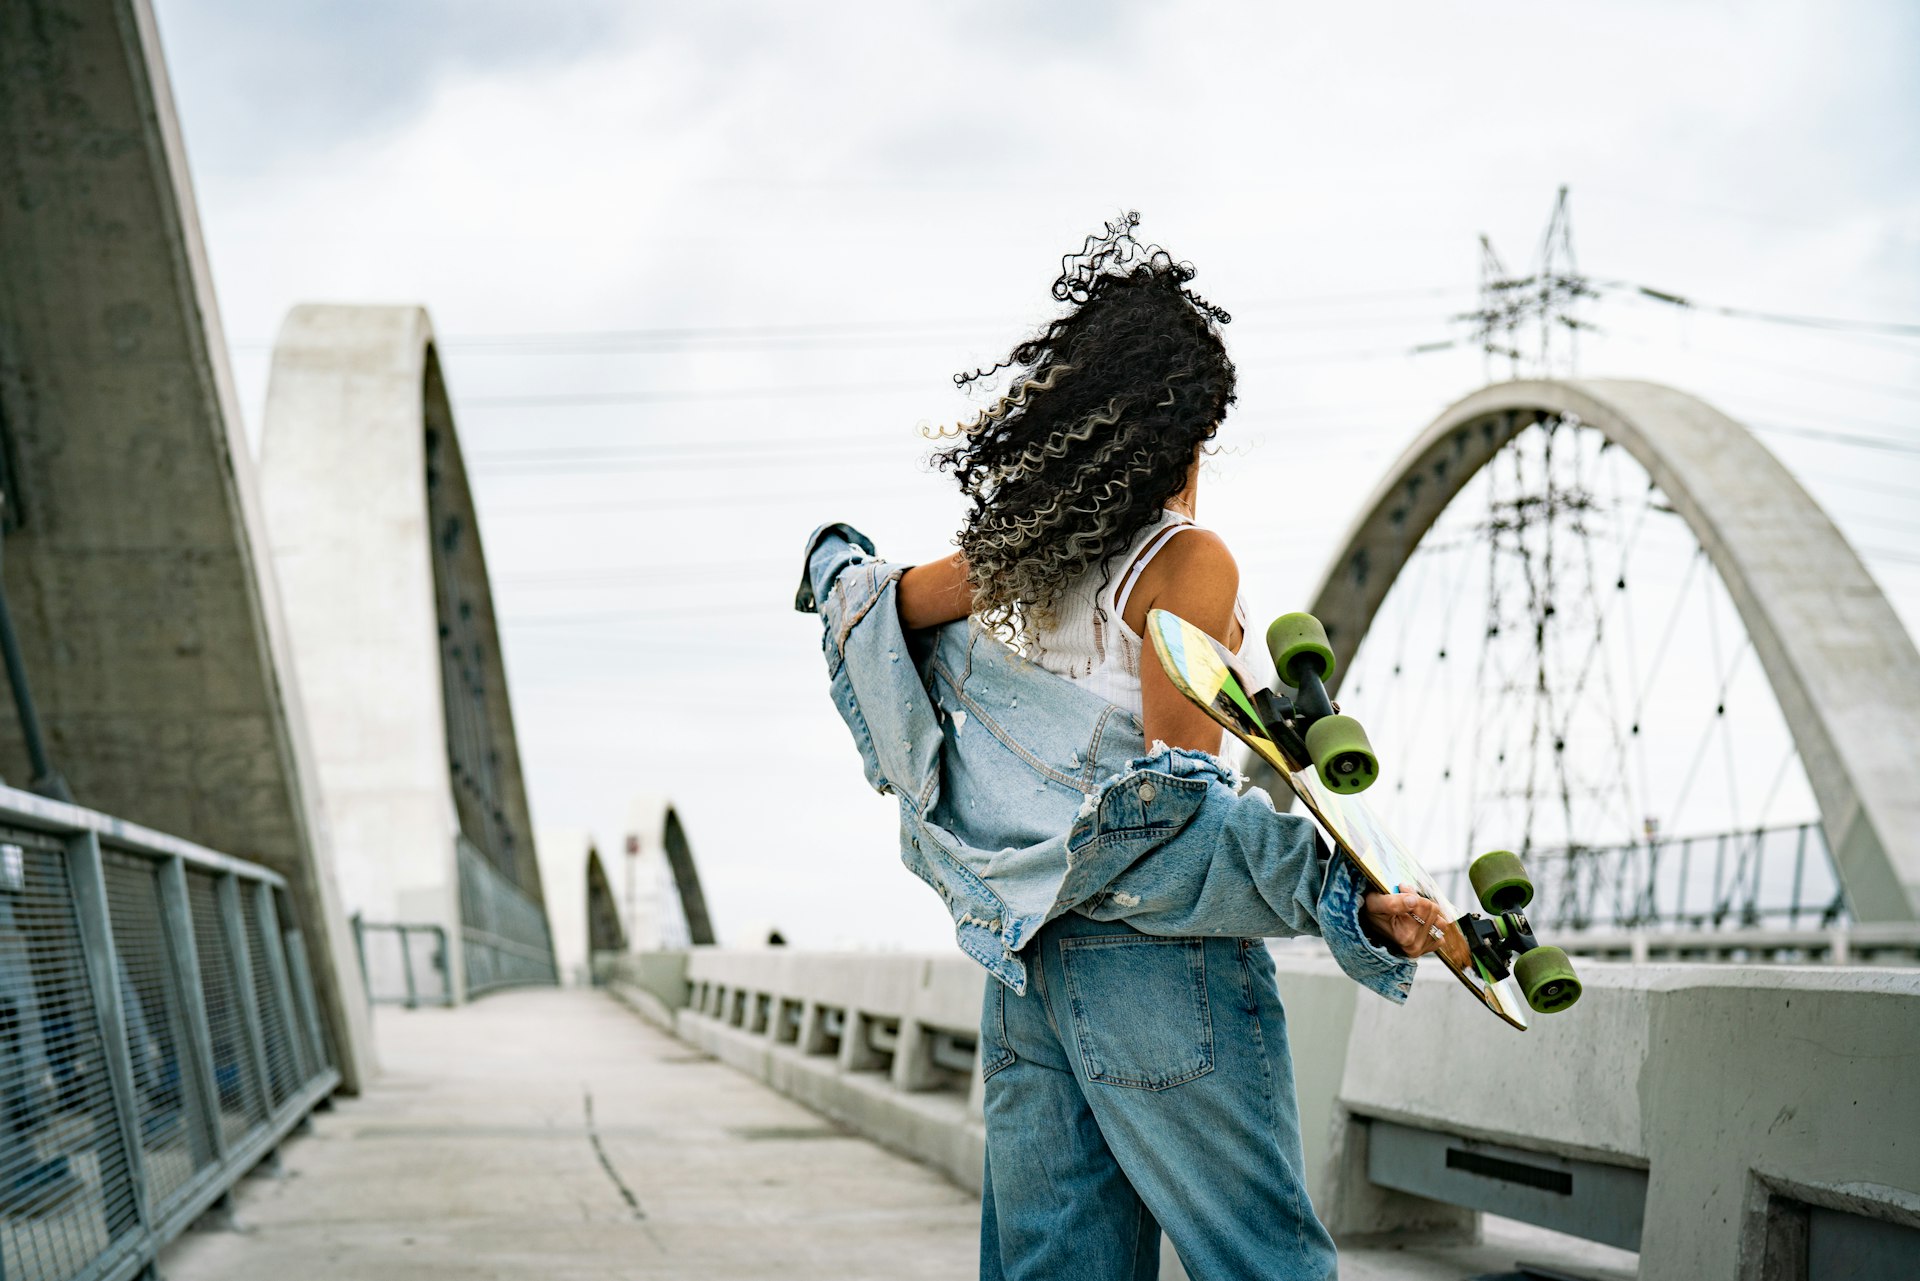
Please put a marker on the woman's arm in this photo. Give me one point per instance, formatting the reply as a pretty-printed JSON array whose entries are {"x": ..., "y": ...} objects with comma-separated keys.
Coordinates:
[{"x": 935, "y": 593}]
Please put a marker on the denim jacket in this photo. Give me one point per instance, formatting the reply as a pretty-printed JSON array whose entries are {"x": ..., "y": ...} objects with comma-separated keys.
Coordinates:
[{"x": 1023, "y": 796}]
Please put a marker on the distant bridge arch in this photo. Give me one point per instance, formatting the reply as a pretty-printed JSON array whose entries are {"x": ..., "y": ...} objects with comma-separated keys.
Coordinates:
[
  {"x": 1843, "y": 668},
  {"x": 391, "y": 614}
]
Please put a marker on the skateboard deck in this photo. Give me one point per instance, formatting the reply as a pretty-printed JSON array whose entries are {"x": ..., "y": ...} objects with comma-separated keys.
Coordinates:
[{"x": 1211, "y": 676}]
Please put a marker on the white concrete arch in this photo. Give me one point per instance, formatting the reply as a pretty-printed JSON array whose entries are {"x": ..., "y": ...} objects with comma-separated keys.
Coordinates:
[
  {"x": 671, "y": 906},
  {"x": 564, "y": 856},
  {"x": 362, "y": 475},
  {"x": 1845, "y": 671}
]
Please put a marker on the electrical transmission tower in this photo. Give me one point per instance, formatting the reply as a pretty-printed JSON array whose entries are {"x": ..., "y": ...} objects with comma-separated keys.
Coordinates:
[
  {"x": 1544, "y": 303},
  {"x": 1541, "y": 511}
]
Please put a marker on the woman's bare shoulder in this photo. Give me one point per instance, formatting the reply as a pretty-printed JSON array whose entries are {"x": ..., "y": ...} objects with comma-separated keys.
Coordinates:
[
  {"x": 1198, "y": 549},
  {"x": 1195, "y": 576}
]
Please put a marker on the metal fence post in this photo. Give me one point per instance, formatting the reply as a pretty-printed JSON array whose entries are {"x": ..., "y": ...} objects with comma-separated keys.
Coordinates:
[
  {"x": 406, "y": 968},
  {"x": 234, "y": 926},
  {"x": 271, "y": 947},
  {"x": 88, "y": 878},
  {"x": 176, "y": 919},
  {"x": 441, "y": 963},
  {"x": 302, "y": 979},
  {"x": 360, "y": 948}
]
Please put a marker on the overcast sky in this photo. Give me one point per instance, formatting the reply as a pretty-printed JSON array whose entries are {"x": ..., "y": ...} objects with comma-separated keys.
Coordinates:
[{"x": 848, "y": 202}]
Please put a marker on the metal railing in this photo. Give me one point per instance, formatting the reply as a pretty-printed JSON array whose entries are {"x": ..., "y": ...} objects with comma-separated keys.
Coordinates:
[
  {"x": 1877, "y": 943},
  {"x": 402, "y": 963},
  {"x": 159, "y": 1035},
  {"x": 1767, "y": 878},
  {"x": 503, "y": 932}
]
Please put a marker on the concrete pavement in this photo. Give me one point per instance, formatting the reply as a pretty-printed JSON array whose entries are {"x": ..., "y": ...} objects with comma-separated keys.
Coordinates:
[{"x": 552, "y": 1134}]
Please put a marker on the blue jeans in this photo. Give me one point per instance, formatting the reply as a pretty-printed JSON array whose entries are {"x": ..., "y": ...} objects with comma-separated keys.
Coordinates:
[{"x": 1142, "y": 1083}]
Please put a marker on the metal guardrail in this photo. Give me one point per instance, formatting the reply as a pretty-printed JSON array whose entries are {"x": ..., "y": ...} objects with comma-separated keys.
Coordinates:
[
  {"x": 1855, "y": 944},
  {"x": 504, "y": 938},
  {"x": 159, "y": 1035},
  {"x": 1771, "y": 877},
  {"x": 402, "y": 963}
]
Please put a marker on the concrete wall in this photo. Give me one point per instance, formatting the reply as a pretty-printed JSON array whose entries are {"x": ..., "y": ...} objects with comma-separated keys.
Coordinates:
[
  {"x": 138, "y": 576},
  {"x": 353, "y": 395},
  {"x": 1730, "y": 1087},
  {"x": 1718, "y": 1080}
]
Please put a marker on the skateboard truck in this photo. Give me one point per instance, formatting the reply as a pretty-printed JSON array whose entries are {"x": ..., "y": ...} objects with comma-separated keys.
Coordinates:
[
  {"x": 1313, "y": 730},
  {"x": 1495, "y": 943}
]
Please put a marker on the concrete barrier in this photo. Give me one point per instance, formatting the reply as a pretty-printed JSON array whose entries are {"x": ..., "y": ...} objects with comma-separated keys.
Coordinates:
[{"x": 1723, "y": 1120}]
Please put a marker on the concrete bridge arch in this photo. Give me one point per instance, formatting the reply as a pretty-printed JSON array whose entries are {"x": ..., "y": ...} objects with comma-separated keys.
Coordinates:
[
  {"x": 150, "y": 622},
  {"x": 1844, "y": 670},
  {"x": 391, "y": 613}
]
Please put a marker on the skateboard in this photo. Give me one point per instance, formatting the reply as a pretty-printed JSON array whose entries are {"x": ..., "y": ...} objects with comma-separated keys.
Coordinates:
[{"x": 1326, "y": 759}]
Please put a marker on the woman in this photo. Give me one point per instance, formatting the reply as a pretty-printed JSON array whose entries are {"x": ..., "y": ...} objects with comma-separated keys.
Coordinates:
[{"x": 1107, "y": 1121}]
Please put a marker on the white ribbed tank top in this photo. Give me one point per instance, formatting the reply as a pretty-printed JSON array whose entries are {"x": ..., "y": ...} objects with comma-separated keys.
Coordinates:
[{"x": 1089, "y": 641}]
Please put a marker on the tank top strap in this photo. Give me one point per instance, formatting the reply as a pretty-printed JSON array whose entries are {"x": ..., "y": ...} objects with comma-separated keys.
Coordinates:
[{"x": 1155, "y": 542}]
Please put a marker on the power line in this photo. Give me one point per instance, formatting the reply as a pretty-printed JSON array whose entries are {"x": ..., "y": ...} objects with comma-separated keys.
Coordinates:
[
  {"x": 679, "y": 395},
  {"x": 1825, "y": 415},
  {"x": 1784, "y": 368},
  {"x": 1840, "y": 437},
  {"x": 593, "y": 341},
  {"x": 680, "y": 502},
  {"x": 1869, "y": 486},
  {"x": 676, "y": 395},
  {"x": 1891, "y": 328}
]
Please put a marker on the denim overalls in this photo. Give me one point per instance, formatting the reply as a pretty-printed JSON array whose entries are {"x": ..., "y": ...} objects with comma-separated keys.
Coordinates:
[{"x": 1134, "y": 1048}]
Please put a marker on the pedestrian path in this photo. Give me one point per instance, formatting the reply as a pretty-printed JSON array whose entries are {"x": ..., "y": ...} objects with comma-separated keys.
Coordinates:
[{"x": 552, "y": 1134}]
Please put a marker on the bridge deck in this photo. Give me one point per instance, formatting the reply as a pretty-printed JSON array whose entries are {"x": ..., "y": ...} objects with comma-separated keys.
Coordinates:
[
  {"x": 554, "y": 1134},
  {"x": 504, "y": 1139}
]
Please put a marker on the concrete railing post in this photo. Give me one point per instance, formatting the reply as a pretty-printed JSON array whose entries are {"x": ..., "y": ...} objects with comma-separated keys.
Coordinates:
[
  {"x": 913, "y": 1065},
  {"x": 857, "y": 1053}
]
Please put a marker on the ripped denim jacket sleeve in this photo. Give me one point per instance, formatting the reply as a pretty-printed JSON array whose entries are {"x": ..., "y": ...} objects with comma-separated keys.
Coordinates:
[
  {"x": 1235, "y": 866},
  {"x": 1022, "y": 796}
]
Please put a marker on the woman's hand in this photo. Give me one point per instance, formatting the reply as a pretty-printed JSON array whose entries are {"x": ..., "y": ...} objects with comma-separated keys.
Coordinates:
[{"x": 1404, "y": 923}]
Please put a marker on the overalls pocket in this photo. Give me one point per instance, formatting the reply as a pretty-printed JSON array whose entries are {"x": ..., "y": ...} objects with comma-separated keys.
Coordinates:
[{"x": 1140, "y": 1015}]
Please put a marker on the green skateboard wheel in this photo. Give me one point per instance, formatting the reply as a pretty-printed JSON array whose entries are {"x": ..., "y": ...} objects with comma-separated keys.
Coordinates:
[
  {"x": 1342, "y": 754},
  {"x": 1293, "y": 636},
  {"x": 1547, "y": 978},
  {"x": 1500, "y": 881}
]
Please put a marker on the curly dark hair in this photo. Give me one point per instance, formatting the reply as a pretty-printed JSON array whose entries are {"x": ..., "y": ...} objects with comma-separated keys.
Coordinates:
[{"x": 1107, "y": 407}]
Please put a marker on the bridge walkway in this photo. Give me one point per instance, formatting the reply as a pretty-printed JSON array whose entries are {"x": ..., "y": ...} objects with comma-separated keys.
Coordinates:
[{"x": 552, "y": 1134}]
